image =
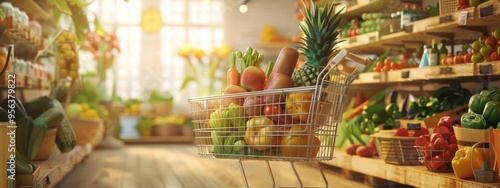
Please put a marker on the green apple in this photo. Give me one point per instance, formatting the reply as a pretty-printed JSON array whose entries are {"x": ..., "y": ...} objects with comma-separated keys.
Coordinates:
[
  {"x": 496, "y": 34},
  {"x": 474, "y": 2},
  {"x": 476, "y": 46},
  {"x": 485, "y": 50},
  {"x": 74, "y": 110},
  {"x": 477, "y": 57}
]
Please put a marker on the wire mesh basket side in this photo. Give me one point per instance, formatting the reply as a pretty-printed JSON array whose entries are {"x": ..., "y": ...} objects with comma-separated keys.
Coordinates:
[{"x": 397, "y": 150}]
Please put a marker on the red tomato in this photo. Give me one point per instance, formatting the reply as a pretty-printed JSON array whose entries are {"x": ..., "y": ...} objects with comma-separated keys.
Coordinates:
[
  {"x": 468, "y": 57},
  {"x": 420, "y": 141},
  {"x": 420, "y": 132},
  {"x": 452, "y": 147},
  {"x": 426, "y": 136},
  {"x": 436, "y": 162},
  {"x": 272, "y": 110},
  {"x": 448, "y": 155},
  {"x": 428, "y": 147},
  {"x": 386, "y": 68},
  {"x": 435, "y": 136},
  {"x": 379, "y": 64},
  {"x": 377, "y": 69},
  {"x": 440, "y": 144},
  {"x": 444, "y": 131},
  {"x": 495, "y": 56},
  {"x": 394, "y": 65},
  {"x": 401, "y": 132},
  {"x": 452, "y": 139}
]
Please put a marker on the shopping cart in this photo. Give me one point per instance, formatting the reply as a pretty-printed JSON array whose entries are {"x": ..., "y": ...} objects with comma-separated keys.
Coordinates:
[{"x": 296, "y": 124}]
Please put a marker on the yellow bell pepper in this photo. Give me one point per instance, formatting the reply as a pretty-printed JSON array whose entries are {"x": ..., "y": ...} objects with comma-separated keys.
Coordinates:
[
  {"x": 298, "y": 104},
  {"x": 297, "y": 143},
  {"x": 261, "y": 133},
  {"x": 461, "y": 163}
]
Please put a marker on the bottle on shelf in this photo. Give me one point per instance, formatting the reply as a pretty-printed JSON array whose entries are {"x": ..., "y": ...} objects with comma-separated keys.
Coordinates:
[
  {"x": 443, "y": 52},
  {"x": 434, "y": 54},
  {"x": 7, "y": 8},
  {"x": 406, "y": 16},
  {"x": 424, "y": 61}
]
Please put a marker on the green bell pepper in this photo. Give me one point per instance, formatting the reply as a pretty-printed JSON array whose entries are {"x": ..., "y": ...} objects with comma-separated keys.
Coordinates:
[
  {"x": 377, "y": 118},
  {"x": 472, "y": 120},
  {"x": 390, "y": 108},
  {"x": 491, "y": 113},
  {"x": 413, "y": 108},
  {"x": 422, "y": 101},
  {"x": 477, "y": 103},
  {"x": 433, "y": 104},
  {"x": 397, "y": 114},
  {"x": 445, "y": 105}
]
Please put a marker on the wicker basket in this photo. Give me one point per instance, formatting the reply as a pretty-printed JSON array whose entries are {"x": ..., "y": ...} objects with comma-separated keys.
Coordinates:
[
  {"x": 447, "y": 6},
  {"x": 396, "y": 149},
  {"x": 87, "y": 131}
]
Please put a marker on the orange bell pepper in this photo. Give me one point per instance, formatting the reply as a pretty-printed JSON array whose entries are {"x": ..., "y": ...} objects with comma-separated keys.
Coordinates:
[
  {"x": 298, "y": 143},
  {"x": 298, "y": 104}
]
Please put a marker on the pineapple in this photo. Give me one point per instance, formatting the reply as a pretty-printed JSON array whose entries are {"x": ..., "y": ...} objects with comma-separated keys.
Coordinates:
[{"x": 320, "y": 37}]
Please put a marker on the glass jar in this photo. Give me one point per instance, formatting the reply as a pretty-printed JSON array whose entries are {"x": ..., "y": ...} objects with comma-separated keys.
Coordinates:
[
  {"x": 7, "y": 8},
  {"x": 17, "y": 14},
  {"x": 25, "y": 19}
]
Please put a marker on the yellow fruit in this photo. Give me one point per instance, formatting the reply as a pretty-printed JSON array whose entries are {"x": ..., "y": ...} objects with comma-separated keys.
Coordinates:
[
  {"x": 85, "y": 107},
  {"x": 61, "y": 63},
  {"x": 63, "y": 73},
  {"x": 72, "y": 38},
  {"x": 69, "y": 55},
  {"x": 74, "y": 67},
  {"x": 61, "y": 38},
  {"x": 73, "y": 74},
  {"x": 65, "y": 47}
]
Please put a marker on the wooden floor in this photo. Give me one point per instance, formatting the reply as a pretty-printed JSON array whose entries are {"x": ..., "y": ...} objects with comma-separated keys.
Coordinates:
[{"x": 152, "y": 166}]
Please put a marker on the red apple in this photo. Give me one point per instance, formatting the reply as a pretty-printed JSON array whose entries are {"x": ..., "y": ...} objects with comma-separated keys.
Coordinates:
[
  {"x": 494, "y": 56},
  {"x": 491, "y": 41},
  {"x": 234, "y": 89}
]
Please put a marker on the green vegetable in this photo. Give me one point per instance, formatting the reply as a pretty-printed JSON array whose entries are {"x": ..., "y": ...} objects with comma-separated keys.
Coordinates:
[
  {"x": 397, "y": 114},
  {"x": 491, "y": 113},
  {"x": 422, "y": 101},
  {"x": 413, "y": 107},
  {"x": 477, "y": 103},
  {"x": 391, "y": 108},
  {"x": 389, "y": 122},
  {"x": 433, "y": 104},
  {"x": 377, "y": 118},
  {"x": 472, "y": 120},
  {"x": 375, "y": 108},
  {"x": 445, "y": 105}
]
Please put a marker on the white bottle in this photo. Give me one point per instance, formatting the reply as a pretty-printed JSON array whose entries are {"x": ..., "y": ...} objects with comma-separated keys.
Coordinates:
[{"x": 17, "y": 14}]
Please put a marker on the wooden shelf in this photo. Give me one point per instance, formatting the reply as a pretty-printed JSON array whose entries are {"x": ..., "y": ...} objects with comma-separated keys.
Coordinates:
[
  {"x": 24, "y": 82},
  {"x": 434, "y": 73},
  {"x": 355, "y": 8},
  {"x": 417, "y": 176},
  {"x": 53, "y": 170},
  {"x": 160, "y": 139},
  {"x": 31, "y": 8},
  {"x": 423, "y": 31}
]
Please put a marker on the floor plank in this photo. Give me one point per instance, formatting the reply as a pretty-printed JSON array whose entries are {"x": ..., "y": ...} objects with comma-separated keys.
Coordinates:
[{"x": 178, "y": 165}]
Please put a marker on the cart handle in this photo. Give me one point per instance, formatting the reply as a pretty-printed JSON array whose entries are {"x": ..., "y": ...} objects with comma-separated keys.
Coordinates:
[{"x": 356, "y": 65}]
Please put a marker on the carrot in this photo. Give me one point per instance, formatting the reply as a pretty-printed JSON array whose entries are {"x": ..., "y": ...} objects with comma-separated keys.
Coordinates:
[{"x": 232, "y": 76}]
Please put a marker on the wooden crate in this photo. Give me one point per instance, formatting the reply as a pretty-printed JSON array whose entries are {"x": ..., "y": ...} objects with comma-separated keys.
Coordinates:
[
  {"x": 489, "y": 68},
  {"x": 447, "y": 6},
  {"x": 432, "y": 121},
  {"x": 363, "y": 39},
  {"x": 28, "y": 179}
]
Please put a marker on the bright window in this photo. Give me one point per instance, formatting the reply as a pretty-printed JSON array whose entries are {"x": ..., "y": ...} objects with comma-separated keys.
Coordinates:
[{"x": 198, "y": 22}]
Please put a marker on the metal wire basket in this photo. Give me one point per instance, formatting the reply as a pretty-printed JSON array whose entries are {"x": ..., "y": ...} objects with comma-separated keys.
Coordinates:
[{"x": 291, "y": 124}]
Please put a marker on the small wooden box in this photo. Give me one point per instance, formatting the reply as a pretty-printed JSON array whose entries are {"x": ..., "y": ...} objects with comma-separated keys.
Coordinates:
[
  {"x": 430, "y": 122},
  {"x": 28, "y": 179}
]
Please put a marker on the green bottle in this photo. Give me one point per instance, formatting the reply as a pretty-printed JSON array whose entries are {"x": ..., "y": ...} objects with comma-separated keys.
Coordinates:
[
  {"x": 442, "y": 51},
  {"x": 434, "y": 55}
]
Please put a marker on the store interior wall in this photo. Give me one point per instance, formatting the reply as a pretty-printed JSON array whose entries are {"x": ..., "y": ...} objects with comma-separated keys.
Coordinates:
[{"x": 243, "y": 29}]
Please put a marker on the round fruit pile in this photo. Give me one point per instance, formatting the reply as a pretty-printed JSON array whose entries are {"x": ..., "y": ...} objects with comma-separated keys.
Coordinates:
[{"x": 67, "y": 56}]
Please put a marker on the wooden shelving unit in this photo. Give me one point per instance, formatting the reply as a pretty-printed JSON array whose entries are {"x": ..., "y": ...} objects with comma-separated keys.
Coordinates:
[
  {"x": 31, "y": 8},
  {"x": 55, "y": 169},
  {"x": 159, "y": 140},
  {"x": 434, "y": 73},
  {"x": 423, "y": 31},
  {"x": 417, "y": 176}
]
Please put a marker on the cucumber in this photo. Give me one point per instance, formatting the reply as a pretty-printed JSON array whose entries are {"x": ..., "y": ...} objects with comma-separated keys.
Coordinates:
[
  {"x": 442, "y": 93},
  {"x": 22, "y": 134},
  {"x": 23, "y": 166},
  {"x": 65, "y": 138},
  {"x": 52, "y": 118},
  {"x": 38, "y": 106},
  {"x": 4, "y": 116},
  {"x": 15, "y": 104},
  {"x": 37, "y": 134}
]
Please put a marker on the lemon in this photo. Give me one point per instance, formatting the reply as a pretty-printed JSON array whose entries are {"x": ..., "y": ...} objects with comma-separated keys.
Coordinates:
[
  {"x": 65, "y": 47},
  {"x": 73, "y": 74},
  {"x": 63, "y": 73},
  {"x": 69, "y": 55},
  {"x": 74, "y": 67},
  {"x": 85, "y": 107},
  {"x": 61, "y": 63}
]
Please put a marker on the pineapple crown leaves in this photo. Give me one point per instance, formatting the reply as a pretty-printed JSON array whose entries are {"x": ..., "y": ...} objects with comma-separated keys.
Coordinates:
[{"x": 320, "y": 30}]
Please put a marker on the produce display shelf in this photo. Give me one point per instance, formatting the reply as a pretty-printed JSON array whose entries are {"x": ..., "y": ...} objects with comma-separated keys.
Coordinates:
[
  {"x": 159, "y": 139},
  {"x": 434, "y": 73},
  {"x": 417, "y": 176},
  {"x": 53, "y": 170},
  {"x": 31, "y": 8},
  {"x": 24, "y": 82},
  {"x": 357, "y": 7},
  {"x": 423, "y": 31}
]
